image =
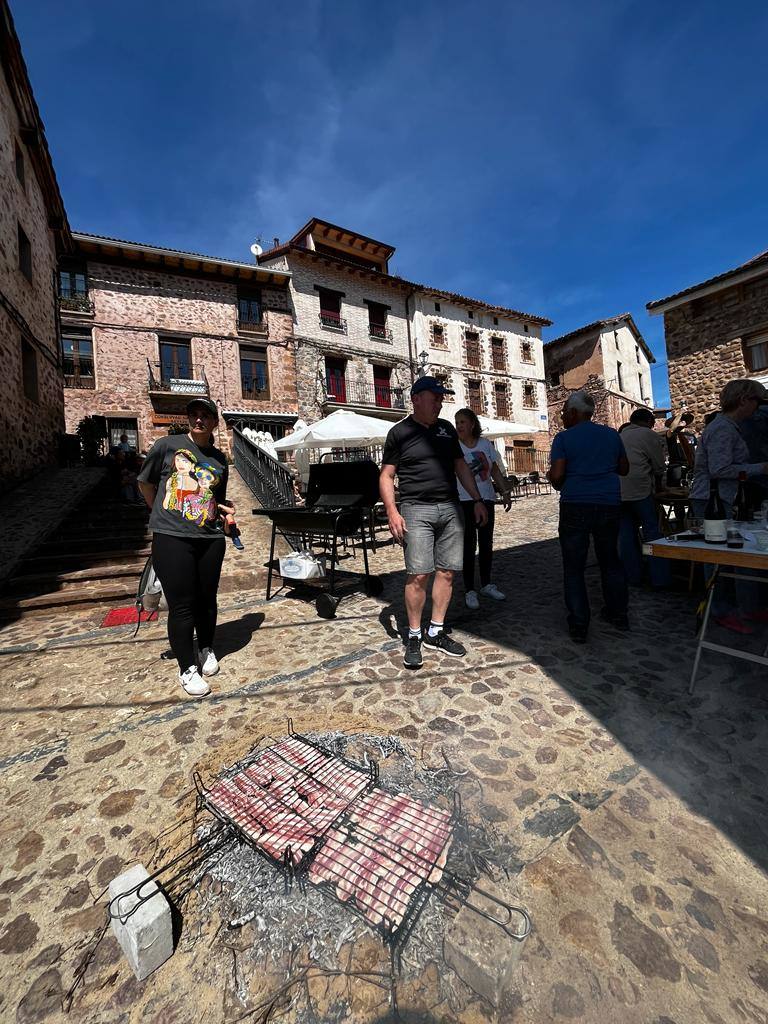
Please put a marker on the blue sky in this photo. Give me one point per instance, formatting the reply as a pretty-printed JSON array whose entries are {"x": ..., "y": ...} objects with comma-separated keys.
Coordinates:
[{"x": 571, "y": 159}]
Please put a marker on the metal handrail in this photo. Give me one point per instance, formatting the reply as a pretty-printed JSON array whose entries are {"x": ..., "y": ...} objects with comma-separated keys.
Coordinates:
[
  {"x": 332, "y": 322},
  {"x": 380, "y": 396},
  {"x": 158, "y": 384},
  {"x": 268, "y": 480}
]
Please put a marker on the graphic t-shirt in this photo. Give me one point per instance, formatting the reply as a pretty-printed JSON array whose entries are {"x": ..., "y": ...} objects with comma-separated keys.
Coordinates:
[
  {"x": 190, "y": 482},
  {"x": 424, "y": 458},
  {"x": 591, "y": 452},
  {"x": 480, "y": 458}
]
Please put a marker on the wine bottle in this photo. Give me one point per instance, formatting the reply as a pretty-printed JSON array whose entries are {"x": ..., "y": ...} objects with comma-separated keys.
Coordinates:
[
  {"x": 714, "y": 517},
  {"x": 741, "y": 508}
]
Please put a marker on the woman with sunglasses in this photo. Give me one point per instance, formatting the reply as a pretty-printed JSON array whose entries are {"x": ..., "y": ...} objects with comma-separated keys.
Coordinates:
[{"x": 184, "y": 482}]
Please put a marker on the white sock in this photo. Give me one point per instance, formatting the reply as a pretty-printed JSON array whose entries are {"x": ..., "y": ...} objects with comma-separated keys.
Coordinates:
[
  {"x": 414, "y": 632},
  {"x": 435, "y": 627}
]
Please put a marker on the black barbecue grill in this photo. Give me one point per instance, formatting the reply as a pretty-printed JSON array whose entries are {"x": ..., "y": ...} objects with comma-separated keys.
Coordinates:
[{"x": 340, "y": 497}]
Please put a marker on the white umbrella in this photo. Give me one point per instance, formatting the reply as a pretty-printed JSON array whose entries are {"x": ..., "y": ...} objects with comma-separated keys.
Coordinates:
[
  {"x": 342, "y": 429},
  {"x": 501, "y": 428}
]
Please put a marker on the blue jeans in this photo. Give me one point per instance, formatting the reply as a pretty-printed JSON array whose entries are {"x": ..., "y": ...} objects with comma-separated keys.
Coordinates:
[
  {"x": 641, "y": 513},
  {"x": 577, "y": 524}
]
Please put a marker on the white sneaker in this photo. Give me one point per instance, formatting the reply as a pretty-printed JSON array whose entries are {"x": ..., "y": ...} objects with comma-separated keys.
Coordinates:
[
  {"x": 471, "y": 600},
  {"x": 193, "y": 683},
  {"x": 210, "y": 664},
  {"x": 491, "y": 590}
]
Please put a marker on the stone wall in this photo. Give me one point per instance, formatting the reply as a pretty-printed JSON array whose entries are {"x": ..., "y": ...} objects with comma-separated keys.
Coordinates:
[
  {"x": 29, "y": 426},
  {"x": 704, "y": 343},
  {"x": 611, "y": 409},
  {"x": 134, "y": 308}
]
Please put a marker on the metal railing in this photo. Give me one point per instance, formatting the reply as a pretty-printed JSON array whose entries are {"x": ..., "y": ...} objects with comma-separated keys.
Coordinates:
[
  {"x": 194, "y": 384},
  {"x": 75, "y": 303},
  {"x": 332, "y": 322},
  {"x": 379, "y": 331},
  {"x": 268, "y": 480},
  {"x": 249, "y": 323},
  {"x": 521, "y": 461},
  {"x": 381, "y": 396},
  {"x": 251, "y": 390}
]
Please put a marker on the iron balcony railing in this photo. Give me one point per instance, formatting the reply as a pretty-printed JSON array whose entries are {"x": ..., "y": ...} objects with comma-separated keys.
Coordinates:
[
  {"x": 252, "y": 390},
  {"x": 161, "y": 379},
  {"x": 268, "y": 480},
  {"x": 333, "y": 322},
  {"x": 356, "y": 393},
  {"x": 252, "y": 323},
  {"x": 379, "y": 331},
  {"x": 77, "y": 303},
  {"x": 79, "y": 374}
]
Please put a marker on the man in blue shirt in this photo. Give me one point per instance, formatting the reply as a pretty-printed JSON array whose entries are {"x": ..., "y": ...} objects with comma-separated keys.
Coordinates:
[{"x": 586, "y": 462}]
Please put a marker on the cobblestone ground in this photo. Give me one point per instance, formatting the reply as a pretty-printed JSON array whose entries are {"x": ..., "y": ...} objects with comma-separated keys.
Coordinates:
[{"x": 636, "y": 813}]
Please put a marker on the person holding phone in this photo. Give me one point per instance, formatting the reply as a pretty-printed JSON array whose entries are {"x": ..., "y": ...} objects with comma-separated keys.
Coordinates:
[{"x": 184, "y": 482}]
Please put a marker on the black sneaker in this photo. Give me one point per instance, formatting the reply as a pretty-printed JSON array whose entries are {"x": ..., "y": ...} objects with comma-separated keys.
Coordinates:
[
  {"x": 578, "y": 634},
  {"x": 620, "y": 622},
  {"x": 412, "y": 656},
  {"x": 444, "y": 643}
]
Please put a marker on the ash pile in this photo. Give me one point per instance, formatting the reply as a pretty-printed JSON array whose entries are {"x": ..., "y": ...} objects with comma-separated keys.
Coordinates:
[{"x": 354, "y": 872}]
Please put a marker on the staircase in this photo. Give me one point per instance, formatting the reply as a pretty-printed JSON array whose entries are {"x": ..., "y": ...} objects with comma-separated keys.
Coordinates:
[{"x": 94, "y": 557}]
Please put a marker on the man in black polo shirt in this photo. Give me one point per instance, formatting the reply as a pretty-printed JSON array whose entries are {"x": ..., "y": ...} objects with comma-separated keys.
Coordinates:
[{"x": 424, "y": 452}]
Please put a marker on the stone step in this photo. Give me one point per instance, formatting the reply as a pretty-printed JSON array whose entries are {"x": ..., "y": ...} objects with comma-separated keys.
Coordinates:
[
  {"x": 53, "y": 579},
  {"x": 82, "y": 532},
  {"x": 40, "y": 563},
  {"x": 88, "y": 545},
  {"x": 73, "y": 597}
]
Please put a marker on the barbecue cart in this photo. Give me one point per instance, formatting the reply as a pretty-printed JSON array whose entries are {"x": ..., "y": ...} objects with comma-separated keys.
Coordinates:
[{"x": 340, "y": 497}]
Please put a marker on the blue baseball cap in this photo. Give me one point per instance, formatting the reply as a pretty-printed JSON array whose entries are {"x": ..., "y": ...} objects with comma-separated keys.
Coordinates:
[{"x": 429, "y": 384}]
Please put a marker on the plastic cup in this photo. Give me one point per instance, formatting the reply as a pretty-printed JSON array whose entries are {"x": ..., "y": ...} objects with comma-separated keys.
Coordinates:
[{"x": 761, "y": 539}]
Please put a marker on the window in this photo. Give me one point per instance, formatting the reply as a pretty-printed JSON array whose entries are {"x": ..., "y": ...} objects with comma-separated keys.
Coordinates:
[
  {"x": 377, "y": 320},
  {"x": 756, "y": 352},
  {"x": 616, "y": 338},
  {"x": 554, "y": 379},
  {"x": 336, "y": 379},
  {"x": 29, "y": 371},
  {"x": 472, "y": 343},
  {"x": 637, "y": 353},
  {"x": 254, "y": 374},
  {"x": 330, "y": 310},
  {"x": 498, "y": 354},
  {"x": 19, "y": 162},
  {"x": 525, "y": 328},
  {"x": 502, "y": 401},
  {"x": 117, "y": 427},
  {"x": 475, "y": 396},
  {"x": 25, "y": 254},
  {"x": 73, "y": 282},
  {"x": 471, "y": 315},
  {"x": 248, "y": 310},
  {"x": 619, "y": 378},
  {"x": 526, "y": 352},
  {"x": 438, "y": 338},
  {"x": 175, "y": 360},
  {"x": 529, "y": 396},
  {"x": 382, "y": 390},
  {"x": 495, "y": 321},
  {"x": 77, "y": 352},
  {"x": 437, "y": 307}
]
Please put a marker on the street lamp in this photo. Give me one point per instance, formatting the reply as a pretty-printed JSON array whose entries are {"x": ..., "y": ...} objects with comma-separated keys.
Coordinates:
[{"x": 423, "y": 365}]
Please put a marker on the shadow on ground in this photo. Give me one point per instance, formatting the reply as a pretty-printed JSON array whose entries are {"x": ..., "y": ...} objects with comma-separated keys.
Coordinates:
[{"x": 710, "y": 748}]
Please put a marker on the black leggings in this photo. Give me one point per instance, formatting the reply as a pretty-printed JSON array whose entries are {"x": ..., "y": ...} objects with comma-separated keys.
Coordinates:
[
  {"x": 477, "y": 537},
  {"x": 189, "y": 570}
]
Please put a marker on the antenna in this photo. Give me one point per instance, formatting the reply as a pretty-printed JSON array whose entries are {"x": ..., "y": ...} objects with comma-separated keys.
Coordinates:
[{"x": 256, "y": 250}]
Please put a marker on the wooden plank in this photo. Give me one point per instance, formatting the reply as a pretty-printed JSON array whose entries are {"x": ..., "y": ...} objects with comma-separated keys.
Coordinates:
[{"x": 712, "y": 554}]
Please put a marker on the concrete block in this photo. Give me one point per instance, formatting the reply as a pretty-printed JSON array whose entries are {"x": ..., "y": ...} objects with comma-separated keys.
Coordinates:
[
  {"x": 482, "y": 954},
  {"x": 146, "y": 935}
]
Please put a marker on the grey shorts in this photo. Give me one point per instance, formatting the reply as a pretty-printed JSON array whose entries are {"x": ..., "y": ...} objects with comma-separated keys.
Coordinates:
[{"x": 435, "y": 537}]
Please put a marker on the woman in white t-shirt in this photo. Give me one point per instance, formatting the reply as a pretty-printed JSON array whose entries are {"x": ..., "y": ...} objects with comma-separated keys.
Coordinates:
[{"x": 483, "y": 459}]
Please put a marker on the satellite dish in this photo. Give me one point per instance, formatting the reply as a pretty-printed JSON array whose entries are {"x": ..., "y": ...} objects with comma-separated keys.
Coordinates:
[{"x": 256, "y": 250}]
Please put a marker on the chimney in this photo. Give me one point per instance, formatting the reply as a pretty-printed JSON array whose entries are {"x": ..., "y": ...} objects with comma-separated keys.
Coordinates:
[{"x": 276, "y": 242}]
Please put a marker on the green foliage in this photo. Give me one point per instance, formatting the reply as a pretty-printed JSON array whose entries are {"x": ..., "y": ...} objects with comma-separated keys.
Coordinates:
[{"x": 93, "y": 435}]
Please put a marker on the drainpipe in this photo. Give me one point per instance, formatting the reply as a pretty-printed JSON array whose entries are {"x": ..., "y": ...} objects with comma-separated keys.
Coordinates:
[{"x": 411, "y": 358}]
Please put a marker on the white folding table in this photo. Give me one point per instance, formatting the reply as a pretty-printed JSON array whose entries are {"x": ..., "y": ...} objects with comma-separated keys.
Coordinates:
[{"x": 719, "y": 556}]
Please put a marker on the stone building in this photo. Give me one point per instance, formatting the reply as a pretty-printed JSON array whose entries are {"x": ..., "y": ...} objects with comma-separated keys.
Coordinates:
[
  {"x": 362, "y": 334},
  {"x": 354, "y": 348},
  {"x": 492, "y": 358},
  {"x": 33, "y": 232},
  {"x": 144, "y": 328},
  {"x": 716, "y": 331},
  {"x": 608, "y": 358}
]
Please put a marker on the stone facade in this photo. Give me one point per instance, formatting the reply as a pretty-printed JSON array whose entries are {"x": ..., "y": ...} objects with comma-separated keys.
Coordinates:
[
  {"x": 513, "y": 389},
  {"x": 610, "y": 360},
  {"x": 706, "y": 339},
  {"x": 31, "y": 398},
  {"x": 135, "y": 307}
]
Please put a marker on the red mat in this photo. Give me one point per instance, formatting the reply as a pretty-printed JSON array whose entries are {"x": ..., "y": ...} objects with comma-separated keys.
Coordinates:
[{"x": 126, "y": 616}]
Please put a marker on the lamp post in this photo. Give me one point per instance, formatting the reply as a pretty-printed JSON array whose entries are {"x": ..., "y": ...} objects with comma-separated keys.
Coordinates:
[{"x": 423, "y": 364}]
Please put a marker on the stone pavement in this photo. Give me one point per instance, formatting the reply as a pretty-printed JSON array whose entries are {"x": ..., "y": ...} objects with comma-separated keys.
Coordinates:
[{"x": 636, "y": 815}]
